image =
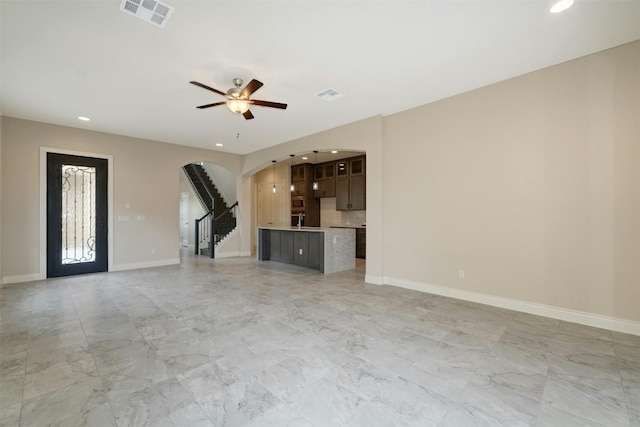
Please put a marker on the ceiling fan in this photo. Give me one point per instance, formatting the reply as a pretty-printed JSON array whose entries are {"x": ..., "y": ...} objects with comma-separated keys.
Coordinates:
[{"x": 238, "y": 100}]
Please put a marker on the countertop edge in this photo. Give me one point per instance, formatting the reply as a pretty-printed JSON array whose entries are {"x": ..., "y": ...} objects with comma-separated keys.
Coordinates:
[{"x": 294, "y": 228}]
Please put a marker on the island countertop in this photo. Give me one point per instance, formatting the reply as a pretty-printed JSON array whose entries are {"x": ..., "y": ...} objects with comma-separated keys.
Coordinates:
[
  {"x": 326, "y": 249},
  {"x": 296, "y": 228}
]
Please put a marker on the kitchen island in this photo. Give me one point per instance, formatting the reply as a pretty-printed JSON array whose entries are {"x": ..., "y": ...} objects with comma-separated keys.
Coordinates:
[{"x": 328, "y": 250}]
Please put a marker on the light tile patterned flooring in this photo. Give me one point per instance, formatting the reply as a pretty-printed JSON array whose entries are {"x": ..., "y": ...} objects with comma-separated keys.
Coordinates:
[{"x": 237, "y": 342}]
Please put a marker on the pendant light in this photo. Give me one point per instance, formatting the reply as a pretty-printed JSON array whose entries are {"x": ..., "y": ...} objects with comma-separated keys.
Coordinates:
[
  {"x": 315, "y": 183},
  {"x": 274, "y": 175},
  {"x": 293, "y": 186}
]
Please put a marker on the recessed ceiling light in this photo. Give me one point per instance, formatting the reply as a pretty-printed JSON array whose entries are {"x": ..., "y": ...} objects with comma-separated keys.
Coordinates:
[
  {"x": 305, "y": 158},
  {"x": 561, "y": 6},
  {"x": 334, "y": 151},
  {"x": 84, "y": 119},
  {"x": 219, "y": 145}
]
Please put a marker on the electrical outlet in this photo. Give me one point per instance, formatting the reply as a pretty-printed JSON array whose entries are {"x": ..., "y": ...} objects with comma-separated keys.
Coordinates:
[{"x": 461, "y": 274}]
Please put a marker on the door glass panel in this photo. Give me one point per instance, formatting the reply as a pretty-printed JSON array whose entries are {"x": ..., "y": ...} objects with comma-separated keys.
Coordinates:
[
  {"x": 328, "y": 171},
  {"x": 356, "y": 167},
  {"x": 78, "y": 214}
]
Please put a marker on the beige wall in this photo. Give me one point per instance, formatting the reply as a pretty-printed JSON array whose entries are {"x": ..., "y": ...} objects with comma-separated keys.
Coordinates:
[
  {"x": 145, "y": 173},
  {"x": 532, "y": 186},
  {"x": 1, "y": 186}
]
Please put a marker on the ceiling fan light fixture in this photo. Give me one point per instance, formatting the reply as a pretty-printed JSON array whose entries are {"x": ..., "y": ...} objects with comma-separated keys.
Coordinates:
[
  {"x": 238, "y": 106},
  {"x": 561, "y": 6},
  {"x": 239, "y": 100}
]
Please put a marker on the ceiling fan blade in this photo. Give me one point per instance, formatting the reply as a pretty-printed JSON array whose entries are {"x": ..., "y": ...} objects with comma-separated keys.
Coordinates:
[
  {"x": 268, "y": 104},
  {"x": 247, "y": 115},
  {"x": 212, "y": 105},
  {"x": 208, "y": 88},
  {"x": 253, "y": 86}
]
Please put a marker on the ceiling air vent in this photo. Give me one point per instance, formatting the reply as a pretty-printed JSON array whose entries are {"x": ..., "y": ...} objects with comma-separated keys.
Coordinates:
[
  {"x": 151, "y": 11},
  {"x": 329, "y": 94}
]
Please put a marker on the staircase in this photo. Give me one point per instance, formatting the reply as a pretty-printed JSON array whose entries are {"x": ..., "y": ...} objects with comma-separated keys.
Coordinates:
[{"x": 219, "y": 217}]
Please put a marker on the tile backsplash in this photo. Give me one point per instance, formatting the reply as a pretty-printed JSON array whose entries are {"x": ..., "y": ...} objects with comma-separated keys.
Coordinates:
[{"x": 329, "y": 216}]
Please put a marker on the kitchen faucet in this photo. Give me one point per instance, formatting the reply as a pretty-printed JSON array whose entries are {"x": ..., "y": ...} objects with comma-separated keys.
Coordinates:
[{"x": 300, "y": 216}]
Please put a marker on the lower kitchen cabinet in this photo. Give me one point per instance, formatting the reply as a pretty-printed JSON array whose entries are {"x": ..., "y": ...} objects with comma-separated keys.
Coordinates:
[
  {"x": 361, "y": 243},
  {"x": 328, "y": 250},
  {"x": 281, "y": 243},
  {"x": 307, "y": 249},
  {"x": 301, "y": 248}
]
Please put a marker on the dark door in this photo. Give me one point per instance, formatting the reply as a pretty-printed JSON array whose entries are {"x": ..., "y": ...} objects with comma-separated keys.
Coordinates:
[{"x": 76, "y": 215}]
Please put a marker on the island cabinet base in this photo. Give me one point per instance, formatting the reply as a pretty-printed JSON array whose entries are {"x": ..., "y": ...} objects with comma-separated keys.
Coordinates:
[
  {"x": 325, "y": 250},
  {"x": 291, "y": 247}
]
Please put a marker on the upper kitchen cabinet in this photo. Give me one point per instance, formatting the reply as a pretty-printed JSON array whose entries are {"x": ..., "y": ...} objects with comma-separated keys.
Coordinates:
[
  {"x": 324, "y": 171},
  {"x": 324, "y": 175},
  {"x": 302, "y": 197},
  {"x": 298, "y": 172},
  {"x": 351, "y": 184},
  {"x": 298, "y": 179}
]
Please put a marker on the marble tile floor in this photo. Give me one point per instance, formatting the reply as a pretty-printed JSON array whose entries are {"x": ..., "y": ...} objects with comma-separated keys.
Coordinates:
[{"x": 238, "y": 342}]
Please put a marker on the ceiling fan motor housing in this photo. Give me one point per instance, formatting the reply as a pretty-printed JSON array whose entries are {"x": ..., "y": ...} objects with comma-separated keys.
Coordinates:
[{"x": 239, "y": 100}]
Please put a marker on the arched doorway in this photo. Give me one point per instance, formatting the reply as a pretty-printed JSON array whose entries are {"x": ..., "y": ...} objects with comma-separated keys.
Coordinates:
[{"x": 208, "y": 209}]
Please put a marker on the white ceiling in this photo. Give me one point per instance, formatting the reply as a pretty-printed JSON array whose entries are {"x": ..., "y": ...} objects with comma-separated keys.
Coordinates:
[{"x": 64, "y": 59}]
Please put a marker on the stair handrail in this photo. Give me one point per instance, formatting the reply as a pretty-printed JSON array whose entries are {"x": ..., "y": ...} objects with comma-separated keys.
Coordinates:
[
  {"x": 209, "y": 229},
  {"x": 227, "y": 210},
  {"x": 193, "y": 185},
  {"x": 205, "y": 215}
]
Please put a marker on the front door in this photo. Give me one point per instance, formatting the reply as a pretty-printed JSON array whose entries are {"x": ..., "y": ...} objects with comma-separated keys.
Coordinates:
[{"x": 76, "y": 215}]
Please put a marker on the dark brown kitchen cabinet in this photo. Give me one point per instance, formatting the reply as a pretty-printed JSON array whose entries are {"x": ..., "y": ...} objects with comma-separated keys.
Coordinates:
[
  {"x": 298, "y": 180},
  {"x": 351, "y": 184},
  {"x": 324, "y": 176},
  {"x": 308, "y": 249},
  {"x": 303, "y": 248},
  {"x": 281, "y": 246},
  {"x": 342, "y": 168},
  {"x": 361, "y": 243},
  {"x": 324, "y": 171},
  {"x": 356, "y": 166},
  {"x": 303, "y": 200},
  {"x": 298, "y": 172},
  {"x": 326, "y": 188},
  {"x": 357, "y": 193}
]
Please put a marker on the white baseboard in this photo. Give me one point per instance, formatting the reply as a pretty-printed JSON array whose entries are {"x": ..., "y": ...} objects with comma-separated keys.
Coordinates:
[
  {"x": 584, "y": 318},
  {"x": 232, "y": 254},
  {"x": 23, "y": 278},
  {"x": 227, "y": 254},
  {"x": 137, "y": 265},
  {"x": 374, "y": 280}
]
